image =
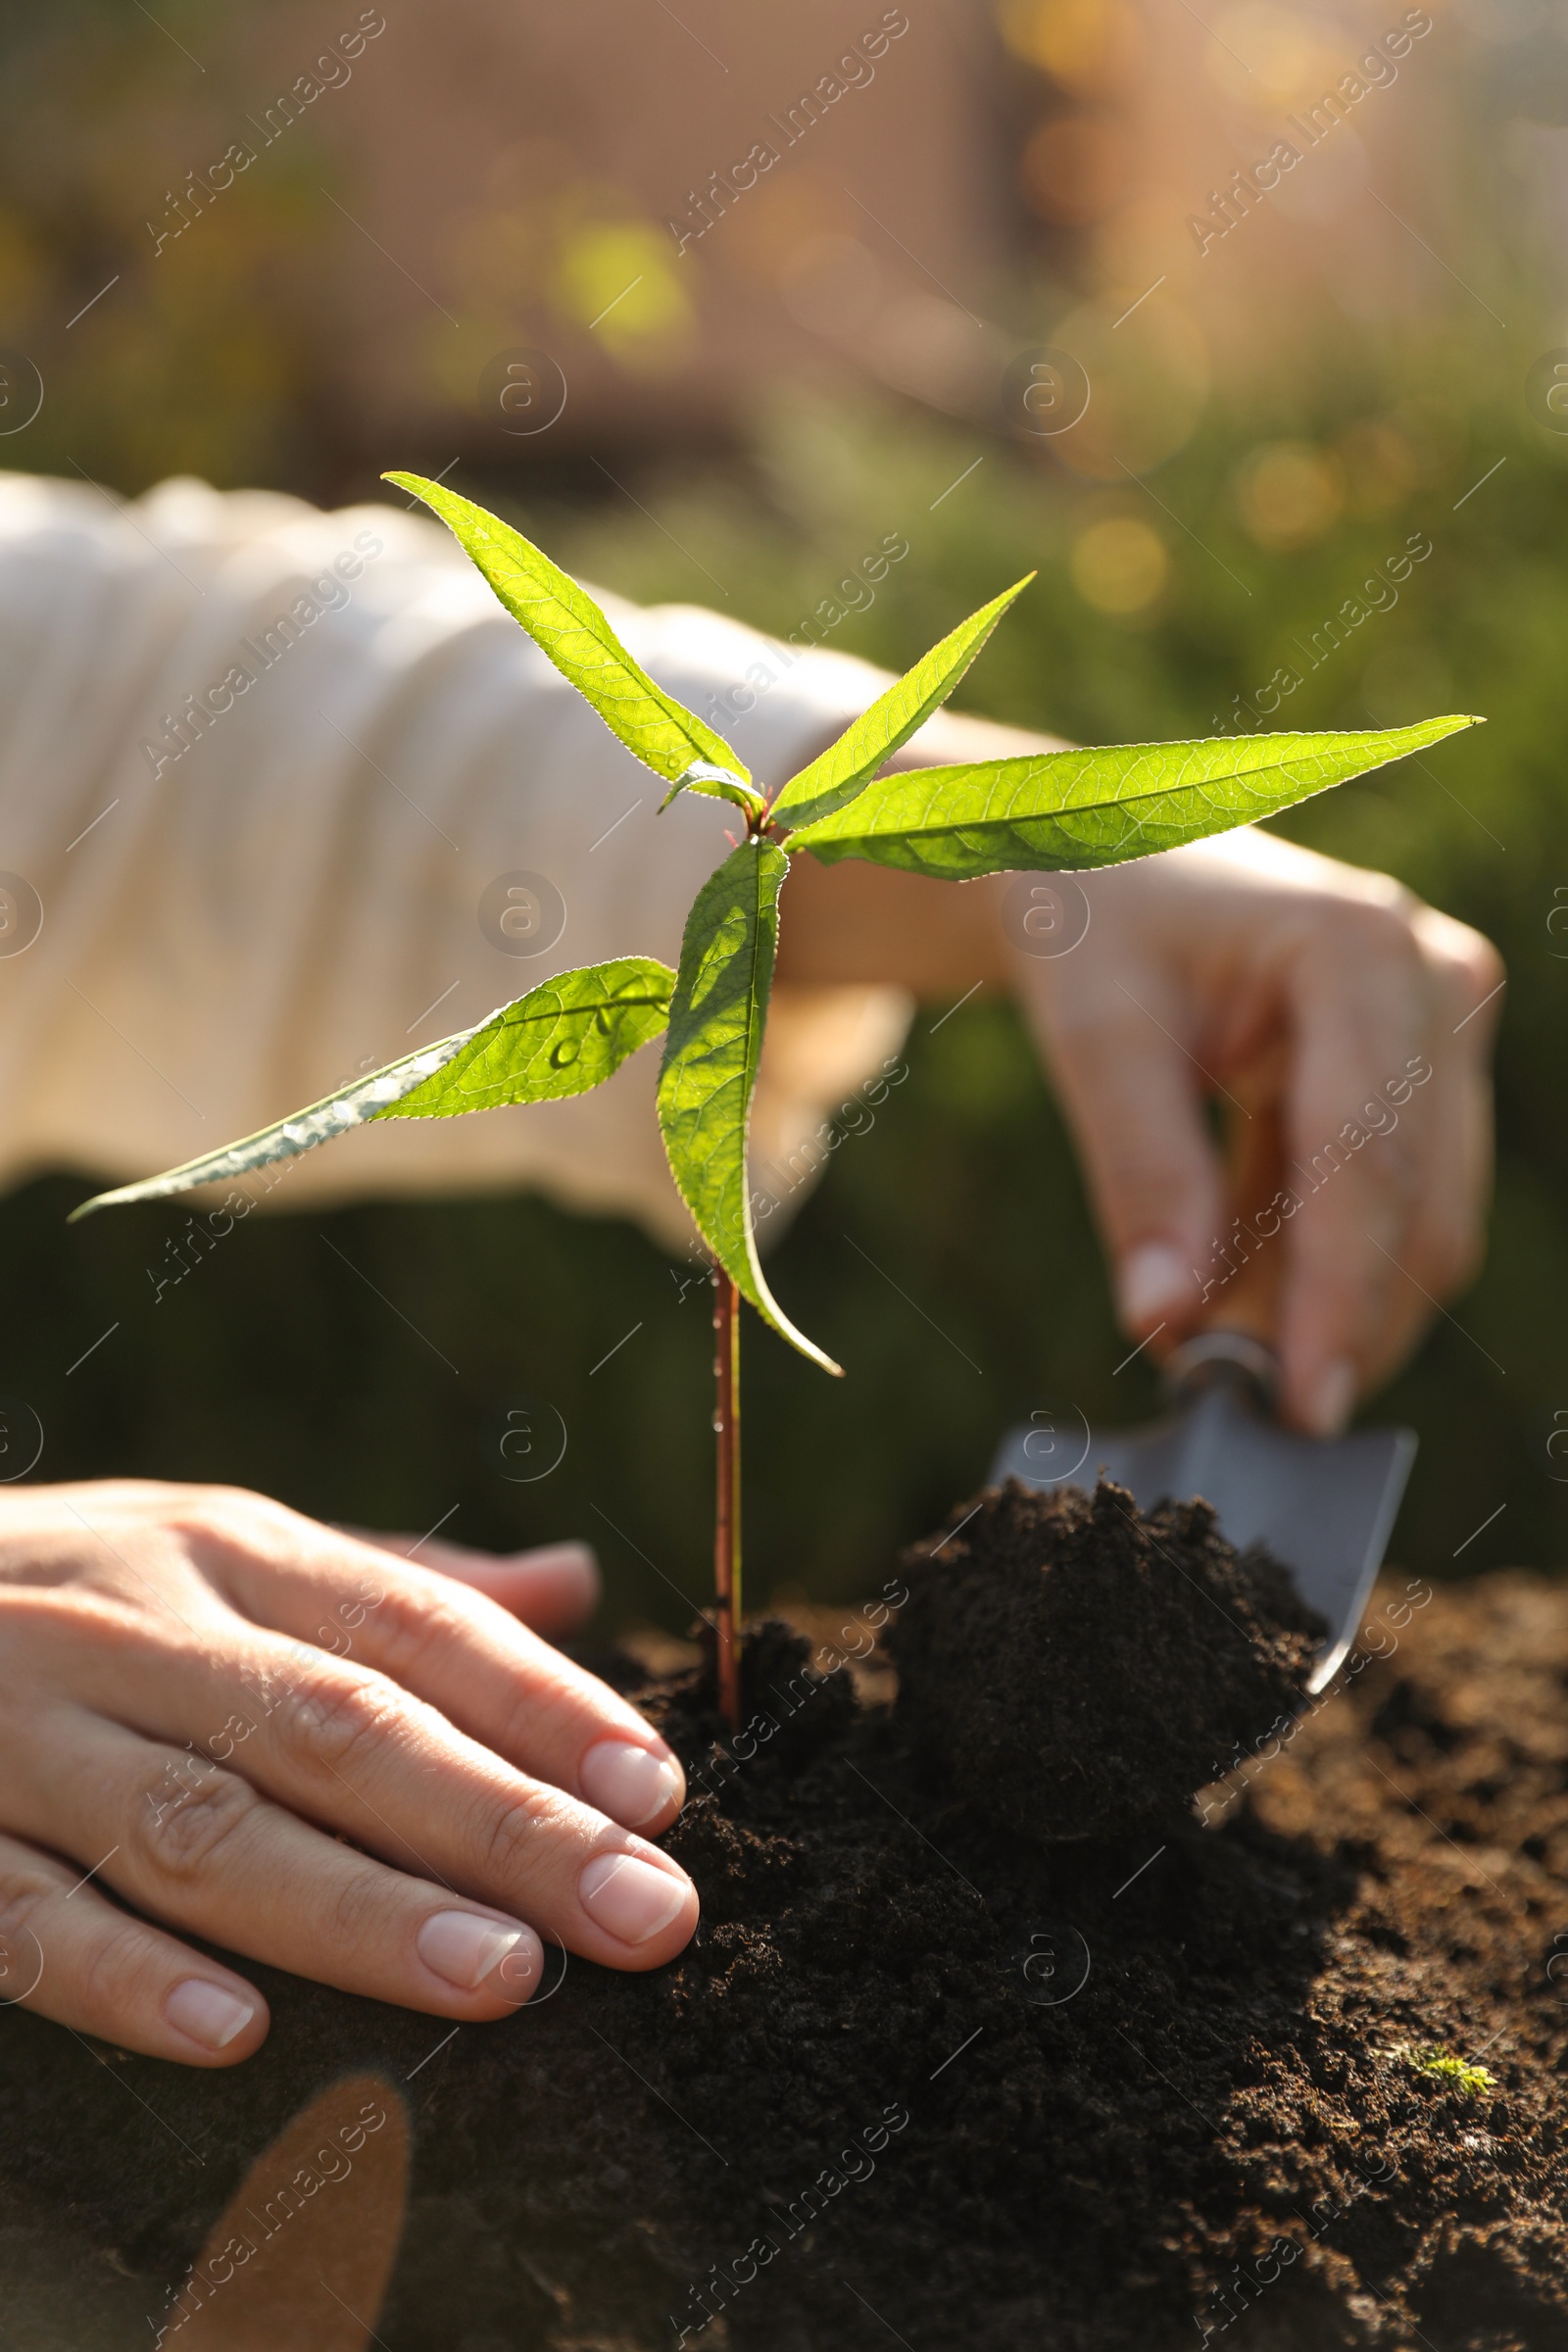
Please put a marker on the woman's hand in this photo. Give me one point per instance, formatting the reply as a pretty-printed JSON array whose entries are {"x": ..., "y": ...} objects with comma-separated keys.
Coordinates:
[
  {"x": 292, "y": 1742},
  {"x": 1331, "y": 999}
]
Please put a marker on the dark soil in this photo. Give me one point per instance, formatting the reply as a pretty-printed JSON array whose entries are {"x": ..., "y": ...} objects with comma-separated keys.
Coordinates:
[
  {"x": 1077, "y": 1668},
  {"x": 922, "y": 2078}
]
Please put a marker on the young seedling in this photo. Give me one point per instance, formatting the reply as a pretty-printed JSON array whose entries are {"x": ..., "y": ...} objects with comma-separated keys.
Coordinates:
[
  {"x": 1458, "y": 2074},
  {"x": 1047, "y": 812}
]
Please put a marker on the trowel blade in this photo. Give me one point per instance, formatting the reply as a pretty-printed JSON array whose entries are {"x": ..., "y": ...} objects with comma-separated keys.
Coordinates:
[{"x": 1324, "y": 1506}]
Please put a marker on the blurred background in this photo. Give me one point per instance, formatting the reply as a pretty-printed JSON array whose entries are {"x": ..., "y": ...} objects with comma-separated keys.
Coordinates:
[{"x": 536, "y": 249}]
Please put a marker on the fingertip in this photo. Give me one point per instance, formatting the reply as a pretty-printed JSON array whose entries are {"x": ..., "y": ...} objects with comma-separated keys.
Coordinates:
[
  {"x": 554, "y": 1587},
  {"x": 488, "y": 1960},
  {"x": 214, "y": 2023},
  {"x": 642, "y": 1787},
  {"x": 1320, "y": 1401},
  {"x": 643, "y": 1904},
  {"x": 568, "y": 1574},
  {"x": 1153, "y": 1285},
  {"x": 519, "y": 1975}
]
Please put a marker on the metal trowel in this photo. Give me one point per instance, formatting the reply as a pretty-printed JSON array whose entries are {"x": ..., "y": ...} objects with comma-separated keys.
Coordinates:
[{"x": 1323, "y": 1507}]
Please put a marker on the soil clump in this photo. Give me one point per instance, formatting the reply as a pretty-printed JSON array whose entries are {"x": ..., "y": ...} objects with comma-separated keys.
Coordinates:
[
  {"x": 924, "y": 2078},
  {"x": 1078, "y": 1667}
]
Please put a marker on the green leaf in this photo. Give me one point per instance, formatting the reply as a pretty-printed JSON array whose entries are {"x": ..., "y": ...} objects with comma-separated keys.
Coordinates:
[
  {"x": 846, "y": 767},
  {"x": 710, "y": 1056},
  {"x": 568, "y": 626},
  {"x": 1064, "y": 810},
  {"x": 564, "y": 1037}
]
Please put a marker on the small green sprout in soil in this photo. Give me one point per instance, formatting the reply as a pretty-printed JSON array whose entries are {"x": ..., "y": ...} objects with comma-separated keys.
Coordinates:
[
  {"x": 1045, "y": 811},
  {"x": 1454, "y": 2074}
]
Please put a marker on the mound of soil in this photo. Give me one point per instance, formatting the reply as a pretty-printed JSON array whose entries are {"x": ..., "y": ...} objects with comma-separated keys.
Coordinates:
[
  {"x": 922, "y": 2079},
  {"x": 1077, "y": 1668}
]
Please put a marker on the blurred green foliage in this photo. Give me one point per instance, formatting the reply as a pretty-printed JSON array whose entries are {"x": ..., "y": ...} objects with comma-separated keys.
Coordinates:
[{"x": 209, "y": 353}]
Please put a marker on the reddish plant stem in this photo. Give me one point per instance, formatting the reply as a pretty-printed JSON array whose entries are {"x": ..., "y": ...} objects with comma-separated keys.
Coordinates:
[{"x": 728, "y": 1514}]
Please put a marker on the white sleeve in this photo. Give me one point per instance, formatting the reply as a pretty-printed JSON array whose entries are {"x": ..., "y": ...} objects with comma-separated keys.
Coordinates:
[{"x": 259, "y": 769}]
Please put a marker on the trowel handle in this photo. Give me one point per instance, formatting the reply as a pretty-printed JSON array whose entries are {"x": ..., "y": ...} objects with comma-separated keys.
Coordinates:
[{"x": 1240, "y": 1320}]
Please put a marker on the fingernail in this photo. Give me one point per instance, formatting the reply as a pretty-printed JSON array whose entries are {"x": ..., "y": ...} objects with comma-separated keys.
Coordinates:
[
  {"x": 209, "y": 2013},
  {"x": 630, "y": 1783},
  {"x": 1152, "y": 1281},
  {"x": 463, "y": 1946},
  {"x": 630, "y": 1898},
  {"x": 1332, "y": 1398},
  {"x": 521, "y": 1972}
]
